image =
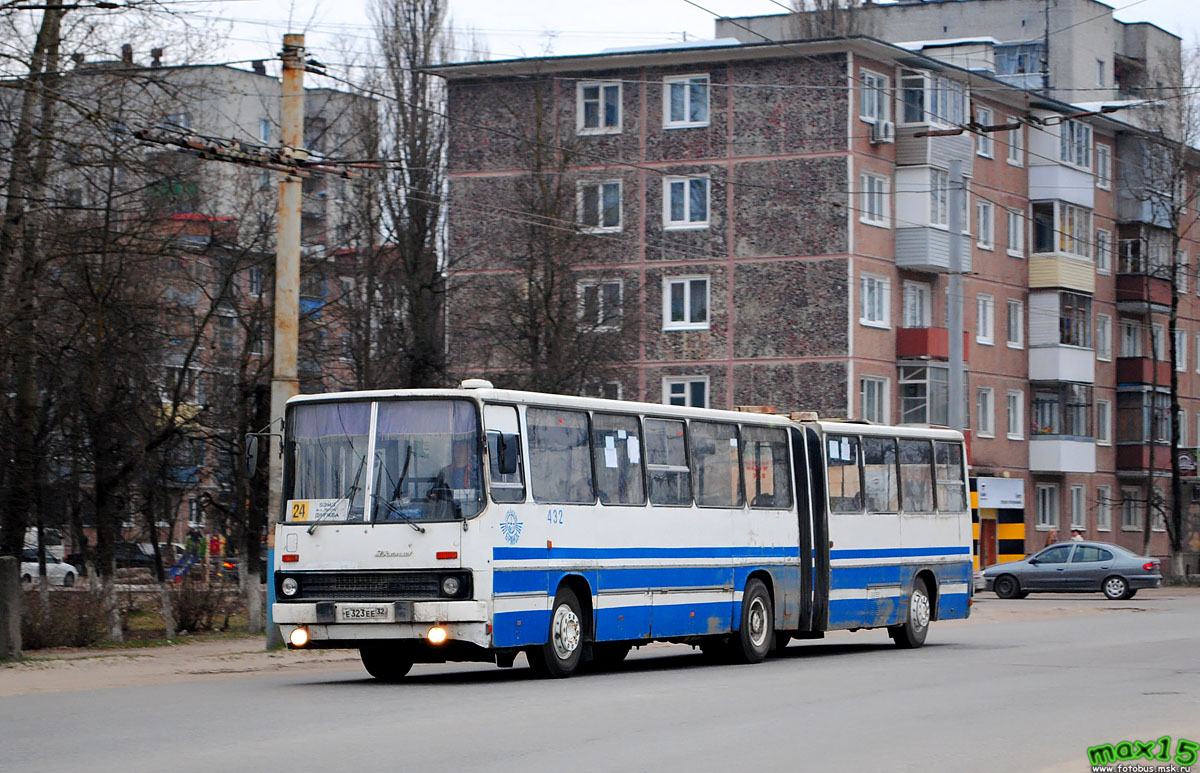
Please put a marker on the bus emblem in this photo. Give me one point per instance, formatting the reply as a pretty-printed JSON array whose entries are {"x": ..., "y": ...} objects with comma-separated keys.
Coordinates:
[{"x": 510, "y": 527}]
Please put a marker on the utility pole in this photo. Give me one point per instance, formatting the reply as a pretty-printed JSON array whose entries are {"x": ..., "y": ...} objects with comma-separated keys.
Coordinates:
[
  {"x": 284, "y": 381},
  {"x": 955, "y": 311}
]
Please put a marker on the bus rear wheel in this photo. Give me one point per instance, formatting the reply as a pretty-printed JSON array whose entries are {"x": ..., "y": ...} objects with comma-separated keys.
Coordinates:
[
  {"x": 387, "y": 663},
  {"x": 753, "y": 639},
  {"x": 912, "y": 632},
  {"x": 560, "y": 655}
]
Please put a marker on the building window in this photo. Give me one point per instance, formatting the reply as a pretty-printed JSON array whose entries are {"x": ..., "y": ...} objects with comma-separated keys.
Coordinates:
[
  {"x": 924, "y": 392},
  {"x": 873, "y": 199},
  {"x": 599, "y": 206},
  {"x": 1104, "y": 508},
  {"x": 984, "y": 143},
  {"x": 1103, "y": 337},
  {"x": 1047, "y": 506},
  {"x": 1131, "y": 338},
  {"x": 1078, "y": 508},
  {"x": 873, "y": 399},
  {"x": 983, "y": 219},
  {"x": 1132, "y": 508},
  {"x": 1181, "y": 273},
  {"x": 1016, "y": 410},
  {"x": 1099, "y": 72},
  {"x": 985, "y": 412},
  {"x": 264, "y": 130},
  {"x": 598, "y": 108},
  {"x": 1103, "y": 251},
  {"x": 985, "y": 319},
  {"x": 690, "y": 391},
  {"x": 1181, "y": 423},
  {"x": 874, "y": 107},
  {"x": 226, "y": 333},
  {"x": 1104, "y": 422},
  {"x": 686, "y": 101},
  {"x": 685, "y": 303},
  {"x": 1062, "y": 409},
  {"x": 255, "y": 283},
  {"x": 1103, "y": 167},
  {"x": 1061, "y": 227},
  {"x": 1198, "y": 352},
  {"x": 1015, "y": 142},
  {"x": 1158, "y": 342},
  {"x": 1075, "y": 144},
  {"x": 1075, "y": 319},
  {"x": 1015, "y": 337},
  {"x": 1016, "y": 233},
  {"x": 875, "y": 311},
  {"x": 1181, "y": 339},
  {"x": 933, "y": 99},
  {"x": 917, "y": 304},
  {"x": 685, "y": 202},
  {"x": 939, "y": 197},
  {"x": 600, "y": 304},
  {"x": 256, "y": 338},
  {"x": 1142, "y": 416},
  {"x": 195, "y": 513}
]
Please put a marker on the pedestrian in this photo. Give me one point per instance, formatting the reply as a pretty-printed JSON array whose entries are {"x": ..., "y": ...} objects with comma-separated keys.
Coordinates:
[
  {"x": 1051, "y": 537},
  {"x": 1076, "y": 534}
]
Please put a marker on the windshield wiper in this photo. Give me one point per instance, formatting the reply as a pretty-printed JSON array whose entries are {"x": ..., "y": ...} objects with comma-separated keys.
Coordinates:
[
  {"x": 348, "y": 496},
  {"x": 405, "y": 516}
]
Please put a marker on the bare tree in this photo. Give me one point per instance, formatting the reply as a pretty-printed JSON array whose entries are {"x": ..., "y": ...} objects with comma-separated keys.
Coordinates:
[{"x": 830, "y": 18}]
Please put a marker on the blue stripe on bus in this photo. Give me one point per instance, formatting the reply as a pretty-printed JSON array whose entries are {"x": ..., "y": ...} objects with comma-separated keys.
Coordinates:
[
  {"x": 900, "y": 552},
  {"x": 525, "y": 581},
  {"x": 526, "y": 554},
  {"x": 842, "y": 577}
]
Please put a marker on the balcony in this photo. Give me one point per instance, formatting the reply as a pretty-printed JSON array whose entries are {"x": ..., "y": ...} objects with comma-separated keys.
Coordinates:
[
  {"x": 1062, "y": 363},
  {"x": 928, "y": 249},
  {"x": 1141, "y": 370},
  {"x": 1135, "y": 291},
  {"x": 913, "y": 151},
  {"x": 926, "y": 343},
  {"x": 1056, "y": 453},
  {"x": 1136, "y": 458}
]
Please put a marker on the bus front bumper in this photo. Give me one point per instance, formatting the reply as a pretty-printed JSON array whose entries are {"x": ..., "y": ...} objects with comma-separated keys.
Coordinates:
[{"x": 326, "y": 621}]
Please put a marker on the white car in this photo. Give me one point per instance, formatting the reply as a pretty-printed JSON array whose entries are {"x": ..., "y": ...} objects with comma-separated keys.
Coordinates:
[{"x": 58, "y": 572}]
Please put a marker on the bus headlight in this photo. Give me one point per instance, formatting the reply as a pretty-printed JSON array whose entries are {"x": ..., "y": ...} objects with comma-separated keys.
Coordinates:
[
  {"x": 451, "y": 586},
  {"x": 299, "y": 636},
  {"x": 289, "y": 586}
]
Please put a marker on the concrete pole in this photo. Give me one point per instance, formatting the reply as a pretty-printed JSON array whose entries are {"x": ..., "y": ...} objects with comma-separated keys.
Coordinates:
[
  {"x": 284, "y": 381},
  {"x": 10, "y": 608},
  {"x": 955, "y": 313}
]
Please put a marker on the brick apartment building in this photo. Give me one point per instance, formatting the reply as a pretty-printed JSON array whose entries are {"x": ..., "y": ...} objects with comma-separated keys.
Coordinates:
[{"x": 778, "y": 223}]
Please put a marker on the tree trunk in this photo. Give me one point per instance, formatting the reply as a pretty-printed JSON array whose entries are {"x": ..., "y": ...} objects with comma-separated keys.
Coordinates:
[
  {"x": 168, "y": 613},
  {"x": 112, "y": 608}
]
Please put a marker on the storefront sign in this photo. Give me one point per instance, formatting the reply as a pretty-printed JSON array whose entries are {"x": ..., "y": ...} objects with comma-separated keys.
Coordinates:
[{"x": 1001, "y": 492}]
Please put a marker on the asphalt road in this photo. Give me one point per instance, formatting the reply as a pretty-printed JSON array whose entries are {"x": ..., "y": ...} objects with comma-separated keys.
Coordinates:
[{"x": 1025, "y": 685}]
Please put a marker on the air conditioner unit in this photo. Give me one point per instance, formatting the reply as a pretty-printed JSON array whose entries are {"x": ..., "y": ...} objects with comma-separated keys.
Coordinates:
[{"x": 883, "y": 131}]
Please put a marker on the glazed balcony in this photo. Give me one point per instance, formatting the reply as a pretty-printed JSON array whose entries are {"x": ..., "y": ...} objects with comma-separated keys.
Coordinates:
[
  {"x": 1141, "y": 370},
  {"x": 1136, "y": 291},
  {"x": 926, "y": 343},
  {"x": 1136, "y": 458}
]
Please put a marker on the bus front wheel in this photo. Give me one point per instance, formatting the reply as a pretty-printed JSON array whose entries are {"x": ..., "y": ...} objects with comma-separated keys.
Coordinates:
[
  {"x": 386, "y": 663},
  {"x": 757, "y": 632},
  {"x": 560, "y": 655},
  {"x": 912, "y": 632}
]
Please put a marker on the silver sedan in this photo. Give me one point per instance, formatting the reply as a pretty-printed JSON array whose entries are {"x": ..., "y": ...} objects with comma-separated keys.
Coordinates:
[{"x": 1075, "y": 567}]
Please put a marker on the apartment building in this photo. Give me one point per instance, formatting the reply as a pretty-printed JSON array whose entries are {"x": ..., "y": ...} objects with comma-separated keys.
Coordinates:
[{"x": 778, "y": 217}]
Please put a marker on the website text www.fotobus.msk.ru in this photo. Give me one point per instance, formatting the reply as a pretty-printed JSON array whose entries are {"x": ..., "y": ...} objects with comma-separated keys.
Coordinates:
[{"x": 1128, "y": 756}]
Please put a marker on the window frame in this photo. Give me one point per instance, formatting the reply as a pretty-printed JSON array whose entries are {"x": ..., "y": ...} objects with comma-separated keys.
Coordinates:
[
  {"x": 1076, "y": 142},
  {"x": 687, "y": 382},
  {"x": 580, "y": 187},
  {"x": 1077, "y": 501},
  {"x": 1104, "y": 508},
  {"x": 984, "y": 117},
  {"x": 686, "y": 280},
  {"x": 533, "y": 479},
  {"x": 1103, "y": 428},
  {"x": 1015, "y": 216},
  {"x": 1019, "y": 316},
  {"x": 1103, "y": 323},
  {"x": 694, "y": 467},
  {"x": 987, "y": 429},
  {"x": 882, "y": 304},
  {"x": 1015, "y": 414},
  {"x": 1103, "y": 166},
  {"x": 599, "y": 325},
  {"x": 1103, "y": 252},
  {"x": 879, "y": 94},
  {"x": 1046, "y": 500},
  {"x": 922, "y": 290},
  {"x": 1134, "y": 517},
  {"x": 985, "y": 319},
  {"x": 1016, "y": 147},
  {"x": 686, "y": 224},
  {"x": 881, "y": 383},
  {"x": 580, "y": 112},
  {"x": 686, "y": 81},
  {"x": 873, "y": 186},
  {"x": 985, "y": 225}
]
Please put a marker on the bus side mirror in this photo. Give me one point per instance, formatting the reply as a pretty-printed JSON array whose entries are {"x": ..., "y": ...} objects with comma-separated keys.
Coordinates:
[
  {"x": 251, "y": 459},
  {"x": 507, "y": 449}
]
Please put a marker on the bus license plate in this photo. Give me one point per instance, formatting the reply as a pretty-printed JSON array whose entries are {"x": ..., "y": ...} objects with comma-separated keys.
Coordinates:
[{"x": 364, "y": 613}]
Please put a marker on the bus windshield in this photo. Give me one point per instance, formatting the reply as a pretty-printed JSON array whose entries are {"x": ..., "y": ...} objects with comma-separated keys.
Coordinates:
[{"x": 426, "y": 463}]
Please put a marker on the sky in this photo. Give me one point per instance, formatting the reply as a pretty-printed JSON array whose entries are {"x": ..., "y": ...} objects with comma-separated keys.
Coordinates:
[{"x": 340, "y": 29}]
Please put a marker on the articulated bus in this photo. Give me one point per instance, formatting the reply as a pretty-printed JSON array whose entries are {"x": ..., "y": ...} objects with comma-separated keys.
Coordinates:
[{"x": 474, "y": 524}]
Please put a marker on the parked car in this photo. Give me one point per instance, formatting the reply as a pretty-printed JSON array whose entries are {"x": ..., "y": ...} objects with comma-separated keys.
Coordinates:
[
  {"x": 1075, "y": 567},
  {"x": 58, "y": 572}
]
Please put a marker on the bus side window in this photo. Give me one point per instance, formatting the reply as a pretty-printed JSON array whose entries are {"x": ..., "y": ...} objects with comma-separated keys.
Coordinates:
[
  {"x": 916, "y": 475},
  {"x": 617, "y": 455},
  {"x": 845, "y": 483},
  {"x": 951, "y": 491},
  {"x": 498, "y": 420},
  {"x": 560, "y": 465},
  {"x": 715, "y": 461},
  {"x": 880, "y": 475},
  {"x": 765, "y": 469},
  {"x": 666, "y": 463}
]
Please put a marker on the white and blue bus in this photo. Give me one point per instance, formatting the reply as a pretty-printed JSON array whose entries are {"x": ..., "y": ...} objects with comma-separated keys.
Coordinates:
[{"x": 476, "y": 523}]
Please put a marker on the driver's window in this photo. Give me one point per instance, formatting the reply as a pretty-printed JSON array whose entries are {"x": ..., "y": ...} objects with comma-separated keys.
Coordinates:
[
  {"x": 1055, "y": 555},
  {"x": 502, "y": 420}
]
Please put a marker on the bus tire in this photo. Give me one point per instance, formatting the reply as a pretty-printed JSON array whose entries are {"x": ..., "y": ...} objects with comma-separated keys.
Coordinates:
[
  {"x": 386, "y": 663},
  {"x": 560, "y": 655},
  {"x": 754, "y": 637},
  {"x": 912, "y": 632}
]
